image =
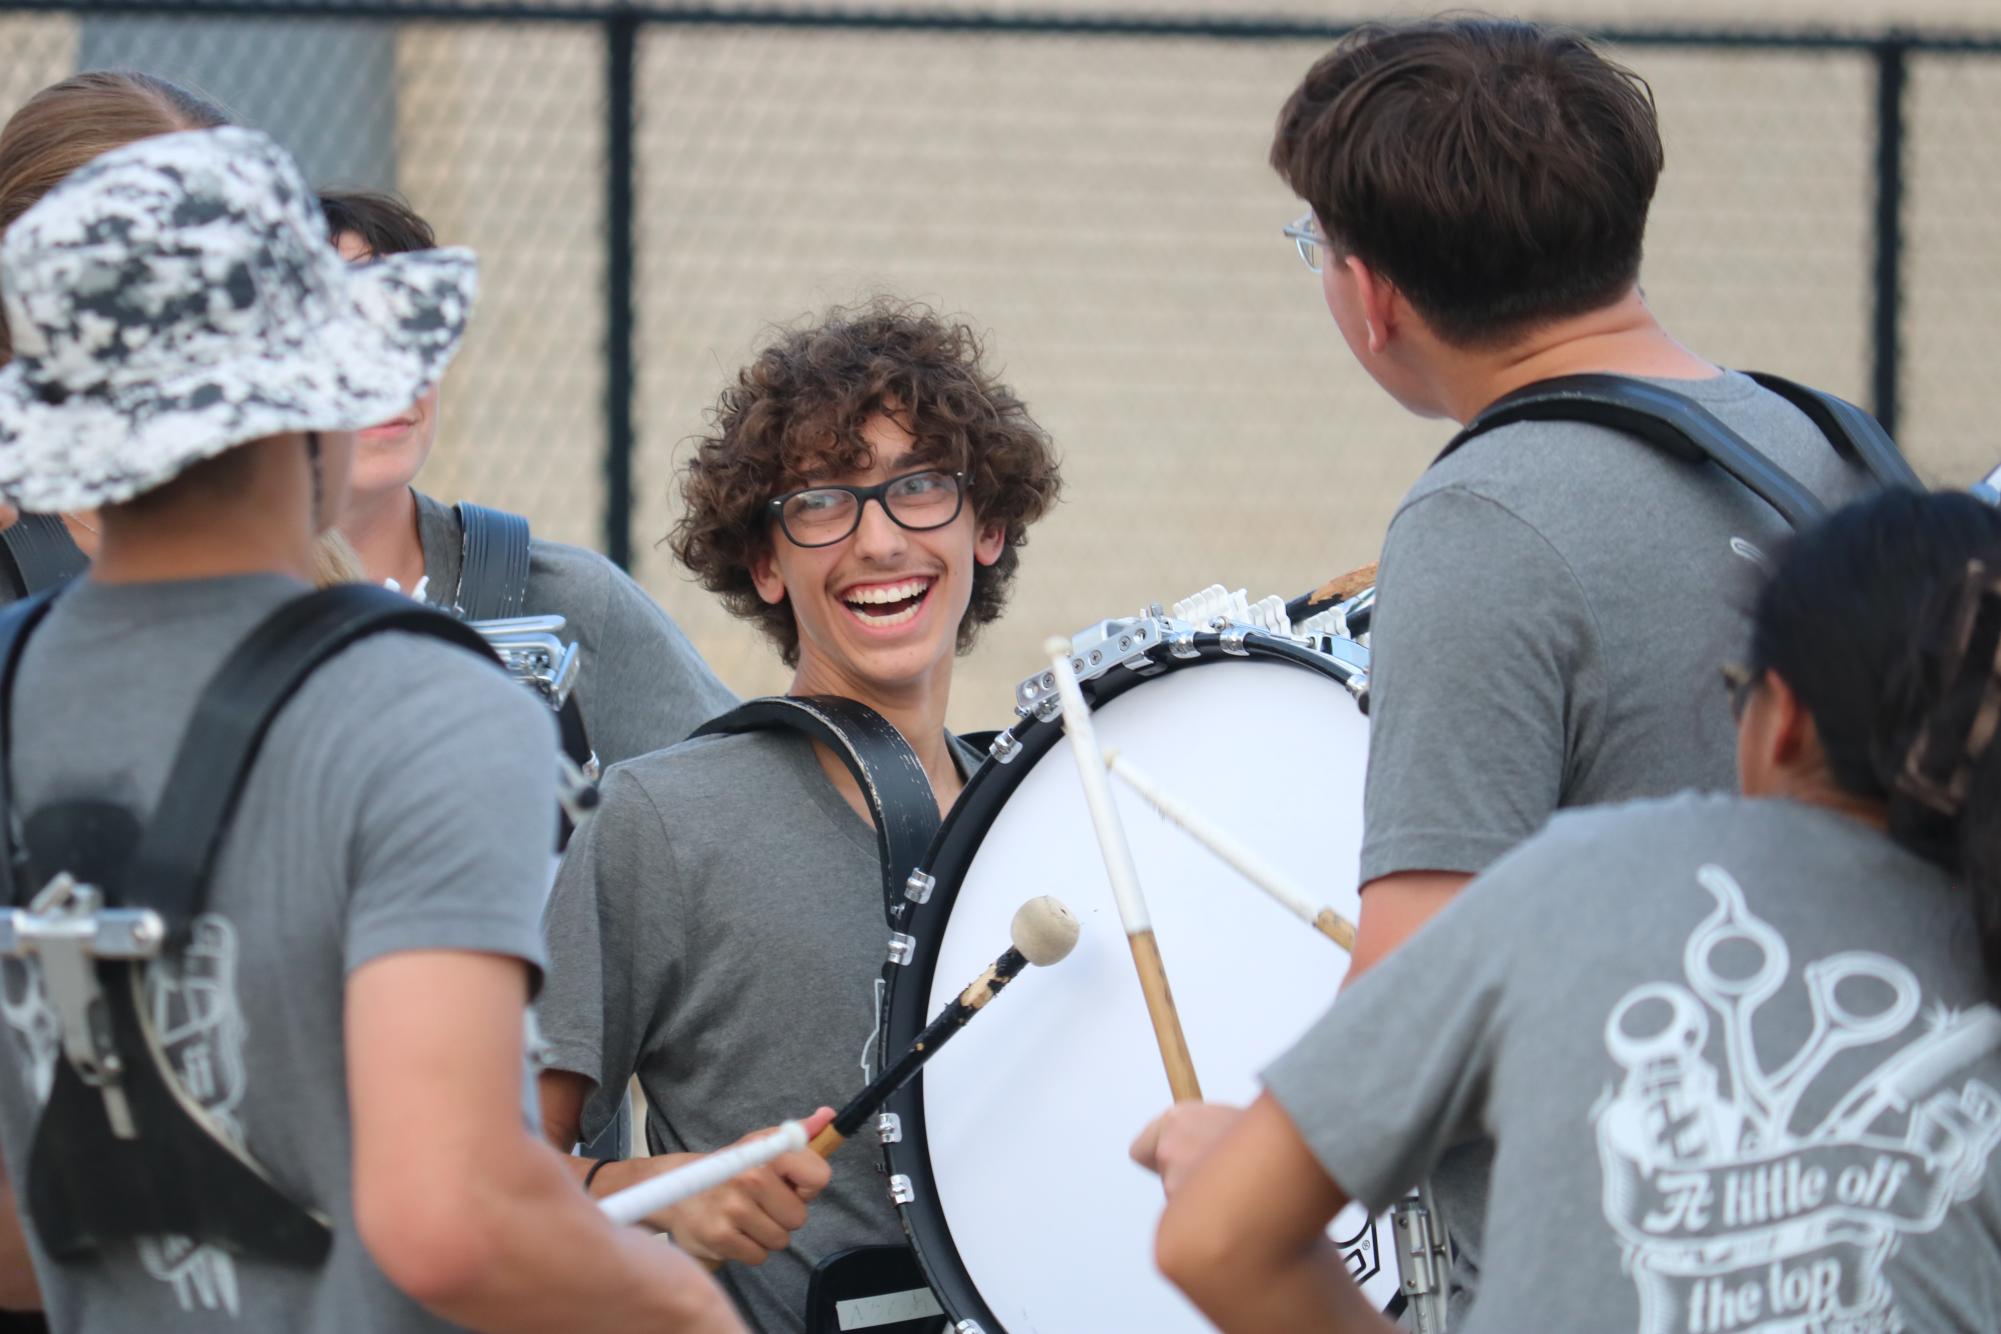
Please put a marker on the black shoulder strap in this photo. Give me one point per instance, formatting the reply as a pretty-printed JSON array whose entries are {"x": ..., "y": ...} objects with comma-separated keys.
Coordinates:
[
  {"x": 1855, "y": 435},
  {"x": 892, "y": 778},
  {"x": 16, "y": 624},
  {"x": 1662, "y": 418},
  {"x": 235, "y": 710},
  {"x": 43, "y": 552},
  {"x": 493, "y": 573}
]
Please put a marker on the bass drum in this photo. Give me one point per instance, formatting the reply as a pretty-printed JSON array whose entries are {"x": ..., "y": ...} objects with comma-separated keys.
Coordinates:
[{"x": 1008, "y": 1155}]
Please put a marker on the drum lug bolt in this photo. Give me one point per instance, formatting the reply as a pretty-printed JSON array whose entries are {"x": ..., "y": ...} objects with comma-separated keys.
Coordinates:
[
  {"x": 919, "y": 886},
  {"x": 901, "y": 947},
  {"x": 900, "y": 1189},
  {"x": 1005, "y": 747},
  {"x": 889, "y": 1128},
  {"x": 968, "y": 1327}
]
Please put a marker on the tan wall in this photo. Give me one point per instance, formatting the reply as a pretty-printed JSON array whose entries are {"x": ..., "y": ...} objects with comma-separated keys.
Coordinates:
[{"x": 1103, "y": 209}]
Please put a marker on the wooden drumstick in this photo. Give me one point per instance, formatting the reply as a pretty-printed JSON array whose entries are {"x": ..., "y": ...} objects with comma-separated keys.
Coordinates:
[
  {"x": 1343, "y": 586},
  {"x": 1247, "y": 863},
  {"x": 1124, "y": 876},
  {"x": 1044, "y": 932}
]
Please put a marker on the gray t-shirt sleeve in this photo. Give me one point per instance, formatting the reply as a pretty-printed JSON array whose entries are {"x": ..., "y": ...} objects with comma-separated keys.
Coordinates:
[
  {"x": 611, "y": 965},
  {"x": 1397, "y": 1071},
  {"x": 651, "y": 689},
  {"x": 1484, "y": 670},
  {"x": 457, "y": 817}
]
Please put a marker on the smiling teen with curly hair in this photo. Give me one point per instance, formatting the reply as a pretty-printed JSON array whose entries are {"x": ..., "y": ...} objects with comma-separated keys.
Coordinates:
[{"x": 862, "y": 496}]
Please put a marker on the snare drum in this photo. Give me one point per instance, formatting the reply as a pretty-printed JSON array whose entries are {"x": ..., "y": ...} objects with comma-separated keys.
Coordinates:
[{"x": 1008, "y": 1156}]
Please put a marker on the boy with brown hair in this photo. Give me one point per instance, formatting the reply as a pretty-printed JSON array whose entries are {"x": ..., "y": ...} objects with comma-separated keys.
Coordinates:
[
  {"x": 1554, "y": 596},
  {"x": 718, "y": 928}
]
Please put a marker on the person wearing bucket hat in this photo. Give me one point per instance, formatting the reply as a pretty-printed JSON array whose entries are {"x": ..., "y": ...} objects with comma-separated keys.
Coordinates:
[
  {"x": 642, "y": 684},
  {"x": 345, "y": 1012}
]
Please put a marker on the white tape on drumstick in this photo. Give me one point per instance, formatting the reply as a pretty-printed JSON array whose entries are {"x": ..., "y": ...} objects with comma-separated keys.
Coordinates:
[
  {"x": 650, "y": 1196},
  {"x": 1246, "y": 863},
  {"x": 1097, "y": 792}
]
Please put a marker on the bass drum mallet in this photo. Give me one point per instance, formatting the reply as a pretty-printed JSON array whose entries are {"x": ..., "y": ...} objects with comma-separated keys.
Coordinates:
[{"x": 1044, "y": 932}]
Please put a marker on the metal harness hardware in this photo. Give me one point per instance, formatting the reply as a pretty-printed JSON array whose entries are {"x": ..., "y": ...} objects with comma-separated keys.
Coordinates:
[
  {"x": 1424, "y": 1258},
  {"x": 70, "y": 930}
]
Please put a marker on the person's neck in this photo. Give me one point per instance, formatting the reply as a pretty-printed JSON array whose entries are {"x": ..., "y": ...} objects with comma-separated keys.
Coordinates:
[
  {"x": 915, "y": 709},
  {"x": 1819, "y": 790},
  {"x": 264, "y": 527},
  {"x": 382, "y": 529},
  {"x": 1620, "y": 339}
]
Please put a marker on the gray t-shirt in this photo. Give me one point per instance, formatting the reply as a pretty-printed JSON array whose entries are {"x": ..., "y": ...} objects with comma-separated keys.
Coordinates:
[
  {"x": 1555, "y": 600},
  {"x": 403, "y": 800},
  {"x": 1738, "y": 1061},
  {"x": 641, "y": 685},
  {"x": 718, "y": 929}
]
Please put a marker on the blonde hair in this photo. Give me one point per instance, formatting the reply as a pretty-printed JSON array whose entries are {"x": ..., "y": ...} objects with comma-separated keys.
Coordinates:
[{"x": 336, "y": 562}]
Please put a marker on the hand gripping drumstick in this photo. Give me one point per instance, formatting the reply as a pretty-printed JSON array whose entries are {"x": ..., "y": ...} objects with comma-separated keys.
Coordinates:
[
  {"x": 1247, "y": 863},
  {"x": 1044, "y": 932},
  {"x": 1124, "y": 876},
  {"x": 706, "y": 1173}
]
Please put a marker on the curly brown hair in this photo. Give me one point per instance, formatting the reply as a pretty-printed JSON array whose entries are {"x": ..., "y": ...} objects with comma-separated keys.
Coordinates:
[{"x": 800, "y": 407}]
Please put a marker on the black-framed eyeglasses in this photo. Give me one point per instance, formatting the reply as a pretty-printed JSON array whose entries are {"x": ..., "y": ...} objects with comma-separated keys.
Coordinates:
[
  {"x": 819, "y": 516},
  {"x": 1740, "y": 681}
]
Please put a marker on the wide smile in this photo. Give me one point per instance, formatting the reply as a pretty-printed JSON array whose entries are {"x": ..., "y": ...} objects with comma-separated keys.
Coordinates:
[{"x": 888, "y": 605}]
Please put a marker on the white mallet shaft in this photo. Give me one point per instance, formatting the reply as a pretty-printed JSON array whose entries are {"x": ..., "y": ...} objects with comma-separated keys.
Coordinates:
[
  {"x": 650, "y": 1196},
  {"x": 1174, "y": 1057},
  {"x": 1247, "y": 863}
]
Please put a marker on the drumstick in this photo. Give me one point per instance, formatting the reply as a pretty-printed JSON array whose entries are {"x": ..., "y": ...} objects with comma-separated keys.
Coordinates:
[
  {"x": 705, "y": 1173},
  {"x": 1124, "y": 877},
  {"x": 1044, "y": 932},
  {"x": 1247, "y": 863},
  {"x": 1343, "y": 586}
]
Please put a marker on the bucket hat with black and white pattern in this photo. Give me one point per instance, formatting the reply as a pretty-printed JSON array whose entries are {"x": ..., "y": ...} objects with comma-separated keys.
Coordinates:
[{"x": 179, "y": 296}]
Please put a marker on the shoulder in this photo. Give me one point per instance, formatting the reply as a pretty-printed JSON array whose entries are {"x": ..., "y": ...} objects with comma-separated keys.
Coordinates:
[
  {"x": 1621, "y": 844},
  {"x": 413, "y": 689},
  {"x": 708, "y": 770}
]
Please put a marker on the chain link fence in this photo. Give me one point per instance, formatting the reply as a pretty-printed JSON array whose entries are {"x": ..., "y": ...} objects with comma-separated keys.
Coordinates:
[{"x": 651, "y": 190}]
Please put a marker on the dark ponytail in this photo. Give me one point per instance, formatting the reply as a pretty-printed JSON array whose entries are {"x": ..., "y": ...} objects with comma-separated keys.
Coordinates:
[{"x": 1886, "y": 622}]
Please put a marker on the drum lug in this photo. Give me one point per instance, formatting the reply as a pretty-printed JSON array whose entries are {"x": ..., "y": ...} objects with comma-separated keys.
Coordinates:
[
  {"x": 900, "y": 1189},
  {"x": 968, "y": 1327},
  {"x": 889, "y": 1128},
  {"x": 1004, "y": 748},
  {"x": 919, "y": 886},
  {"x": 901, "y": 948},
  {"x": 1182, "y": 644},
  {"x": 1232, "y": 640}
]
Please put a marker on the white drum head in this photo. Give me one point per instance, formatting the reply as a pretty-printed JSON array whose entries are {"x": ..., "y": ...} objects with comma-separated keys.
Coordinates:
[{"x": 1030, "y": 1114}]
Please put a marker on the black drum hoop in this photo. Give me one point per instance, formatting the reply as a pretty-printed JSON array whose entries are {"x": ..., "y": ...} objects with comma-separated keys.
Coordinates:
[{"x": 907, "y": 985}]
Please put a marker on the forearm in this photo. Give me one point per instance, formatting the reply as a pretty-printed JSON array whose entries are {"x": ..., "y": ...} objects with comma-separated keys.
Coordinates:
[
  {"x": 548, "y": 1259},
  {"x": 1311, "y": 1290},
  {"x": 19, "y": 1290}
]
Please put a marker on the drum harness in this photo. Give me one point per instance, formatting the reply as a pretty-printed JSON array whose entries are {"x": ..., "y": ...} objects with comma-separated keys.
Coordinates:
[
  {"x": 122, "y": 1149},
  {"x": 904, "y": 811},
  {"x": 492, "y": 594},
  {"x": 39, "y": 553}
]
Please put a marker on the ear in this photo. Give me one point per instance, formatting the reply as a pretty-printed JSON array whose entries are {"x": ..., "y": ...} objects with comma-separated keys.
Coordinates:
[
  {"x": 1377, "y": 298},
  {"x": 992, "y": 540},
  {"x": 764, "y": 576},
  {"x": 1791, "y": 736}
]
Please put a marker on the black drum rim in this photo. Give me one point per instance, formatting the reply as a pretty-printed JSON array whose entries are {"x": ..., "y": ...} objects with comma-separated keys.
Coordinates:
[{"x": 907, "y": 986}]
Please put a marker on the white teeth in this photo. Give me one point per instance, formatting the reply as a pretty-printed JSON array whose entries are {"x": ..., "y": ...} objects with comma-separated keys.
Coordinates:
[{"x": 887, "y": 592}]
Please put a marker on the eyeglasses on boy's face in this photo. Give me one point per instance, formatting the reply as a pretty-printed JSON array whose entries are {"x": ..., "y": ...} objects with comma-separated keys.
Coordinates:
[
  {"x": 1741, "y": 682},
  {"x": 819, "y": 516},
  {"x": 1305, "y": 235}
]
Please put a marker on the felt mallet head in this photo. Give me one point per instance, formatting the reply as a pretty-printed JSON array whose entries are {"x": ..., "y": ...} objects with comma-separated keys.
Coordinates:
[{"x": 1044, "y": 930}]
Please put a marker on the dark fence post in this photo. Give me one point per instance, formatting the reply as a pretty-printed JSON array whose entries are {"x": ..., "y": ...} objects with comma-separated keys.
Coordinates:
[
  {"x": 1892, "y": 57},
  {"x": 620, "y": 380}
]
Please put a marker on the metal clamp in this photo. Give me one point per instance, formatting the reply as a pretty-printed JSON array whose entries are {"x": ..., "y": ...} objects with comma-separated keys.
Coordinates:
[
  {"x": 900, "y": 1189},
  {"x": 1423, "y": 1261},
  {"x": 889, "y": 1128},
  {"x": 534, "y": 655},
  {"x": 1004, "y": 747},
  {"x": 1099, "y": 649},
  {"x": 919, "y": 886},
  {"x": 70, "y": 930},
  {"x": 901, "y": 948}
]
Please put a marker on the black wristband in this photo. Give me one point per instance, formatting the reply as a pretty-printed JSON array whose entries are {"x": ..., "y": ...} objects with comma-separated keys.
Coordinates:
[{"x": 591, "y": 1175}]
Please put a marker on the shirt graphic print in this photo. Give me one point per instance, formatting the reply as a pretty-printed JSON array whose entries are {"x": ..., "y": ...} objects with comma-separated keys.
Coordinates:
[
  {"x": 200, "y": 1026},
  {"x": 1735, "y": 1211}
]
